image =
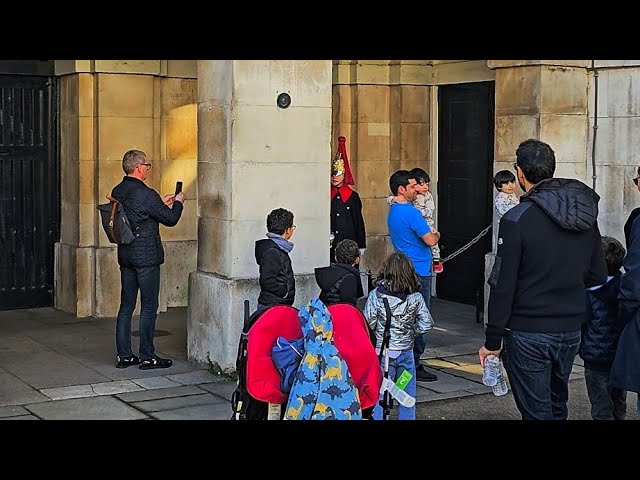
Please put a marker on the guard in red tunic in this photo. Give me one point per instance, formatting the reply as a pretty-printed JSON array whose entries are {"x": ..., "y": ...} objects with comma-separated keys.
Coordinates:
[{"x": 346, "y": 206}]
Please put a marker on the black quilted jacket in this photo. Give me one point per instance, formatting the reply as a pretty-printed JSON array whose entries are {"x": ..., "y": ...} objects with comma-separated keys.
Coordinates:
[
  {"x": 601, "y": 331},
  {"x": 146, "y": 211}
]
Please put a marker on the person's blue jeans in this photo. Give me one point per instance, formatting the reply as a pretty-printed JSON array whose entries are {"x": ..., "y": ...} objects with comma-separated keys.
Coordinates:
[
  {"x": 606, "y": 403},
  {"x": 396, "y": 367},
  {"x": 538, "y": 366},
  {"x": 147, "y": 280},
  {"x": 420, "y": 342}
]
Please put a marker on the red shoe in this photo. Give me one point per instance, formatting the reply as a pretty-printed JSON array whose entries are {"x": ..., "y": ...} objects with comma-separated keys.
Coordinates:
[{"x": 438, "y": 267}]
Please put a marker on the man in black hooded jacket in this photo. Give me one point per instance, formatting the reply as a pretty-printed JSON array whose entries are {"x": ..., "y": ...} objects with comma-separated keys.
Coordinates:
[{"x": 549, "y": 252}]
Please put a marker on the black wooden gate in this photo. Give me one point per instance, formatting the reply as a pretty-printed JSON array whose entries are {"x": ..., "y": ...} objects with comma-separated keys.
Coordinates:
[
  {"x": 465, "y": 174},
  {"x": 29, "y": 190}
]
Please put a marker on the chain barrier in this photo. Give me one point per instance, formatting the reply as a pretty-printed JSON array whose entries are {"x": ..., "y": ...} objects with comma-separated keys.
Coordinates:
[{"x": 468, "y": 245}]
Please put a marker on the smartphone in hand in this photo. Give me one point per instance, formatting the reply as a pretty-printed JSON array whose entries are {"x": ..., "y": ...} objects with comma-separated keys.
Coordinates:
[{"x": 178, "y": 187}]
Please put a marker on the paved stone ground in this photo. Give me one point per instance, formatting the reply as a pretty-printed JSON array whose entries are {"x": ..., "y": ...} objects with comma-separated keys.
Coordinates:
[
  {"x": 54, "y": 366},
  {"x": 490, "y": 407}
]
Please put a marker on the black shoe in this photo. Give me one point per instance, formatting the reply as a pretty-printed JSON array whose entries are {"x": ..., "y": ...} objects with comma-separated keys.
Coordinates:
[
  {"x": 422, "y": 375},
  {"x": 155, "y": 362},
  {"x": 124, "y": 362}
]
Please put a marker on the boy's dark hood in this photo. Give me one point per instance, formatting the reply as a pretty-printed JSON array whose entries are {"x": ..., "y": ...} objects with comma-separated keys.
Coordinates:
[
  {"x": 568, "y": 202},
  {"x": 262, "y": 246},
  {"x": 326, "y": 277}
]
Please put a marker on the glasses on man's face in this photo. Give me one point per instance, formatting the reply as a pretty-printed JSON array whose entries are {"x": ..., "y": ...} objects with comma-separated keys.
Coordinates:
[
  {"x": 423, "y": 183},
  {"x": 148, "y": 165},
  {"x": 635, "y": 180}
]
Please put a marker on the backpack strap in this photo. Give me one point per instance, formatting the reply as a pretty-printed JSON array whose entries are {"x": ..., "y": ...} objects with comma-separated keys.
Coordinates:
[
  {"x": 387, "y": 400},
  {"x": 114, "y": 206},
  {"x": 386, "y": 336}
]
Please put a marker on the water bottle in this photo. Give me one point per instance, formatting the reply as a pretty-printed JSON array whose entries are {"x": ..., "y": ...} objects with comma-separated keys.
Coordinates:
[
  {"x": 493, "y": 376},
  {"x": 491, "y": 371},
  {"x": 500, "y": 388}
]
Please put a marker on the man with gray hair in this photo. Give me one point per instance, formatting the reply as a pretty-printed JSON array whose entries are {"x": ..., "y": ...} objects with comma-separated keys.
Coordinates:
[{"x": 141, "y": 259}]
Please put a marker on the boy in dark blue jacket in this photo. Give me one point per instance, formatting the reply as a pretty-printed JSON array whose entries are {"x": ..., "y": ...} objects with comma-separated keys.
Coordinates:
[
  {"x": 600, "y": 335},
  {"x": 277, "y": 283}
]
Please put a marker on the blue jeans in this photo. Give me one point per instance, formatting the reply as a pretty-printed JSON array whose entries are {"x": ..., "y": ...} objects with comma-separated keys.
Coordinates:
[
  {"x": 396, "y": 367},
  {"x": 420, "y": 342},
  {"x": 538, "y": 366},
  {"x": 147, "y": 280},
  {"x": 606, "y": 403}
]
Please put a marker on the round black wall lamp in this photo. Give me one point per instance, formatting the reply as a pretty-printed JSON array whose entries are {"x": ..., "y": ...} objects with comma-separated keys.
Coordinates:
[{"x": 283, "y": 100}]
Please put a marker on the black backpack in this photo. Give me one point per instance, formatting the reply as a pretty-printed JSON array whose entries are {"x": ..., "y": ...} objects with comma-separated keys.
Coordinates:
[{"x": 115, "y": 222}]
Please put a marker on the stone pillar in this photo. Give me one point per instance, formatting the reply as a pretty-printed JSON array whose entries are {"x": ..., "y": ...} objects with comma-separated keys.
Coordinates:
[
  {"x": 544, "y": 99},
  {"x": 254, "y": 157},
  {"x": 75, "y": 252}
]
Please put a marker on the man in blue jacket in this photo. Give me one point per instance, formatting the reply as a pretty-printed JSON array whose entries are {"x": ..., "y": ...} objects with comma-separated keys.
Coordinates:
[
  {"x": 549, "y": 252},
  {"x": 141, "y": 259},
  {"x": 412, "y": 235}
]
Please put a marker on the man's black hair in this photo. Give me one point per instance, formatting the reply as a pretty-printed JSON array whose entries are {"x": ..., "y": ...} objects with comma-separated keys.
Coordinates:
[
  {"x": 399, "y": 179},
  {"x": 279, "y": 220},
  {"x": 536, "y": 159},
  {"x": 420, "y": 175},
  {"x": 614, "y": 254},
  {"x": 502, "y": 177}
]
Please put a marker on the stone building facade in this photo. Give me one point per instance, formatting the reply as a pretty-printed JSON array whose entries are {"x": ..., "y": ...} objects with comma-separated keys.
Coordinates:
[{"x": 215, "y": 125}]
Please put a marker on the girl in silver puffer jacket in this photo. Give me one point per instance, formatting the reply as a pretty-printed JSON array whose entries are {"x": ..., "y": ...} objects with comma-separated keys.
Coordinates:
[{"x": 399, "y": 283}]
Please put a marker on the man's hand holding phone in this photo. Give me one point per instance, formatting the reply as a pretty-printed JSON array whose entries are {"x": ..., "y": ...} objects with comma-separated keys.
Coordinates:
[{"x": 179, "y": 195}]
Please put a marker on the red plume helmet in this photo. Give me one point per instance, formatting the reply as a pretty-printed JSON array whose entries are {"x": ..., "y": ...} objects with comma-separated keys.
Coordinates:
[{"x": 340, "y": 163}]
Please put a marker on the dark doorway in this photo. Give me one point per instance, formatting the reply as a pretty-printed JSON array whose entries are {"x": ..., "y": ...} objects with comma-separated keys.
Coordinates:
[
  {"x": 29, "y": 188},
  {"x": 465, "y": 173}
]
